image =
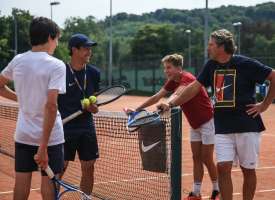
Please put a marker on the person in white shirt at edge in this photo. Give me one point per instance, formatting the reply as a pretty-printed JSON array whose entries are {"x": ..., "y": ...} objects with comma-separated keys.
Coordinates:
[{"x": 38, "y": 79}]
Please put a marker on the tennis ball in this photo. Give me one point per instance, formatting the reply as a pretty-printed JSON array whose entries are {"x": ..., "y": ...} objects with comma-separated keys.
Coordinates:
[
  {"x": 85, "y": 103},
  {"x": 92, "y": 99}
]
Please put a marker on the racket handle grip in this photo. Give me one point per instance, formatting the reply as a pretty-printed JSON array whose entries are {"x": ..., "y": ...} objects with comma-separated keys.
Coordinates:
[
  {"x": 72, "y": 116},
  {"x": 49, "y": 172}
]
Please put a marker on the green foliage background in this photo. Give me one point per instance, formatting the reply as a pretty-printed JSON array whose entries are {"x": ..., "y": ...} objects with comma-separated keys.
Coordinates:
[{"x": 140, "y": 41}]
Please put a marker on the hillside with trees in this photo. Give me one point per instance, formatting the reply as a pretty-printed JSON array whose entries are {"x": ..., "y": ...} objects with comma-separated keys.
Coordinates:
[{"x": 140, "y": 41}]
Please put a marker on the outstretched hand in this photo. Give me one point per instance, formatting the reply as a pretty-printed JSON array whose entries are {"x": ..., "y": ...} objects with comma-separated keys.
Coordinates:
[
  {"x": 256, "y": 109},
  {"x": 128, "y": 110},
  {"x": 163, "y": 107}
]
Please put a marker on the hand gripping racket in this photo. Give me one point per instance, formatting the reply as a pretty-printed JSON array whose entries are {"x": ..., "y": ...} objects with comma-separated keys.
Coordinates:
[
  {"x": 65, "y": 191},
  {"x": 138, "y": 119},
  {"x": 103, "y": 97}
]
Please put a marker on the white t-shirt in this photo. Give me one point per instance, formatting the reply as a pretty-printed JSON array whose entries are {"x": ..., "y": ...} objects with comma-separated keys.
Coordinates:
[{"x": 34, "y": 73}]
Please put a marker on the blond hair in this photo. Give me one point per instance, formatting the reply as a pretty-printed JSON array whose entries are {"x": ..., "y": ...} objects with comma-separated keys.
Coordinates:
[{"x": 174, "y": 59}]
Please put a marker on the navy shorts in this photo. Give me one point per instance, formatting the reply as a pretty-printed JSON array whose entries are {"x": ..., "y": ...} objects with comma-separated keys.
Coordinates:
[
  {"x": 24, "y": 161},
  {"x": 85, "y": 144}
]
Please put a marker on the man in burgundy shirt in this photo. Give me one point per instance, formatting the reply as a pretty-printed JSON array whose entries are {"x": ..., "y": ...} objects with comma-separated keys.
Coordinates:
[{"x": 199, "y": 113}]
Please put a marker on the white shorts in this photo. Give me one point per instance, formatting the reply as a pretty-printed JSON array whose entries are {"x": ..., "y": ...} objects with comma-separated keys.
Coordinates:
[
  {"x": 242, "y": 148},
  {"x": 205, "y": 133}
]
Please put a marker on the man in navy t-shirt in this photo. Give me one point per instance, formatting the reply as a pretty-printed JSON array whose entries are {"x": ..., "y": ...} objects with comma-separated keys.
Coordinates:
[
  {"x": 82, "y": 81},
  {"x": 238, "y": 124}
]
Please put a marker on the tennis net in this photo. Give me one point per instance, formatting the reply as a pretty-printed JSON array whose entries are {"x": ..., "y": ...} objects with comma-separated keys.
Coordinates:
[{"x": 118, "y": 172}]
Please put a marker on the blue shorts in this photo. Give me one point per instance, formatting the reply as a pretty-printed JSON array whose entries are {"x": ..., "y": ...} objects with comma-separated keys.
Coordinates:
[
  {"x": 24, "y": 161},
  {"x": 84, "y": 143}
]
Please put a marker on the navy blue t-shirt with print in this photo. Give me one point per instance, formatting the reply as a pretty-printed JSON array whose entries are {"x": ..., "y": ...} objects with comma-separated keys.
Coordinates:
[
  {"x": 70, "y": 102},
  {"x": 233, "y": 85}
]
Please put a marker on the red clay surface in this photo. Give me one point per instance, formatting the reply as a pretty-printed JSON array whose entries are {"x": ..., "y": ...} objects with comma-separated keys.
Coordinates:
[{"x": 266, "y": 169}]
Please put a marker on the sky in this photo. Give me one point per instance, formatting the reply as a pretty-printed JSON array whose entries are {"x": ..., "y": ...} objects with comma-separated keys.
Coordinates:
[{"x": 101, "y": 8}]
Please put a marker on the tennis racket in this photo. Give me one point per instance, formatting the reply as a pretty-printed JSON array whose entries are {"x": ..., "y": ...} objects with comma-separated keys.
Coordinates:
[
  {"x": 138, "y": 119},
  {"x": 65, "y": 191},
  {"x": 103, "y": 97},
  {"x": 132, "y": 116}
]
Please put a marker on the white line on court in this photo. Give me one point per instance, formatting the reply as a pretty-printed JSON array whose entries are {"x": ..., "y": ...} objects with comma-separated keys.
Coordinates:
[
  {"x": 269, "y": 135},
  {"x": 10, "y": 192},
  {"x": 238, "y": 193},
  {"x": 234, "y": 170},
  {"x": 133, "y": 180},
  {"x": 159, "y": 177},
  {"x": 152, "y": 178}
]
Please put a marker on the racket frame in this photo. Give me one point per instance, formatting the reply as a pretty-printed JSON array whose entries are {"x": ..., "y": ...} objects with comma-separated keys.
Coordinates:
[
  {"x": 67, "y": 187},
  {"x": 155, "y": 115},
  {"x": 79, "y": 112},
  {"x": 131, "y": 117},
  {"x": 105, "y": 89}
]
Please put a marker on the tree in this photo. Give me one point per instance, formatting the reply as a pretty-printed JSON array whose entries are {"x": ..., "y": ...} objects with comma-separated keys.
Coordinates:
[
  {"x": 89, "y": 27},
  {"x": 7, "y": 35},
  {"x": 152, "y": 40}
]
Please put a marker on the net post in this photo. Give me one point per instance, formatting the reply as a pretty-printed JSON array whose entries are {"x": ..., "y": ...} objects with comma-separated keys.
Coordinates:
[{"x": 176, "y": 137}]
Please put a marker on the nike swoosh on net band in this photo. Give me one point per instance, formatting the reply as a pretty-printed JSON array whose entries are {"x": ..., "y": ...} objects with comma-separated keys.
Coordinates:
[{"x": 148, "y": 147}]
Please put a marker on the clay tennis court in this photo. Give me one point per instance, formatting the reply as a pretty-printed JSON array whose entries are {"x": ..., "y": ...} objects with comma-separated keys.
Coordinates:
[{"x": 266, "y": 169}]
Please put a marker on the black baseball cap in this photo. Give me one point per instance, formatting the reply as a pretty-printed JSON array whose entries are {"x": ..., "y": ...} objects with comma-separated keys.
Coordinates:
[{"x": 80, "y": 40}]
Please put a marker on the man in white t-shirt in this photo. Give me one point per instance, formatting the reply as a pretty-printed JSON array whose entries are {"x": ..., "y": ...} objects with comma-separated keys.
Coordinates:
[{"x": 38, "y": 79}]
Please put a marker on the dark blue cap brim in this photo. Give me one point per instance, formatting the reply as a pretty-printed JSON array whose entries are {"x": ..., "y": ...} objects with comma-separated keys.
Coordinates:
[{"x": 89, "y": 44}]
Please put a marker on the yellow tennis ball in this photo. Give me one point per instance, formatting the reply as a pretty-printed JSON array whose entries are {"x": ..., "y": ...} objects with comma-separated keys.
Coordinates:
[
  {"x": 92, "y": 99},
  {"x": 85, "y": 103}
]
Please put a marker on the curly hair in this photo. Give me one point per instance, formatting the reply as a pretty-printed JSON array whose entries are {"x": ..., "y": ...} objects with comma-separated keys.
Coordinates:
[{"x": 225, "y": 38}]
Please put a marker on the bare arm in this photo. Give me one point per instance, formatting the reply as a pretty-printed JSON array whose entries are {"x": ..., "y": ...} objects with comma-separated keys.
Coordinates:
[
  {"x": 49, "y": 116},
  {"x": 50, "y": 112},
  {"x": 184, "y": 94},
  {"x": 261, "y": 107},
  {"x": 181, "y": 96},
  {"x": 153, "y": 99},
  {"x": 271, "y": 92},
  {"x": 5, "y": 91},
  {"x": 176, "y": 93}
]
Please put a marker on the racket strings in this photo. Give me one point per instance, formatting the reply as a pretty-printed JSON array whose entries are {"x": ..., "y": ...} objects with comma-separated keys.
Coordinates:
[
  {"x": 110, "y": 94},
  {"x": 145, "y": 117},
  {"x": 141, "y": 114},
  {"x": 144, "y": 120},
  {"x": 74, "y": 195},
  {"x": 133, "y": 117},
  {"x": 137, "y": 115}
]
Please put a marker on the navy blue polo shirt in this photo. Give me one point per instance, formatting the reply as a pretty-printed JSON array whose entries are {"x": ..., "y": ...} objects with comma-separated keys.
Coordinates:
[
  {"x": 70, "y": 102},
  {"x": 234, "y": 84}
]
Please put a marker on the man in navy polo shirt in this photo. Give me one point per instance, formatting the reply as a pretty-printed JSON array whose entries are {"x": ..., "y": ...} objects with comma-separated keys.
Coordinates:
[{"x": 82, "y": 81}]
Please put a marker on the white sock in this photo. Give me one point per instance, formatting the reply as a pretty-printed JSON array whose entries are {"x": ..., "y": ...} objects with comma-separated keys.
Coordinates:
[
  {"x": 215, "y": 185},
  {"x": 197, "y": 188}
]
